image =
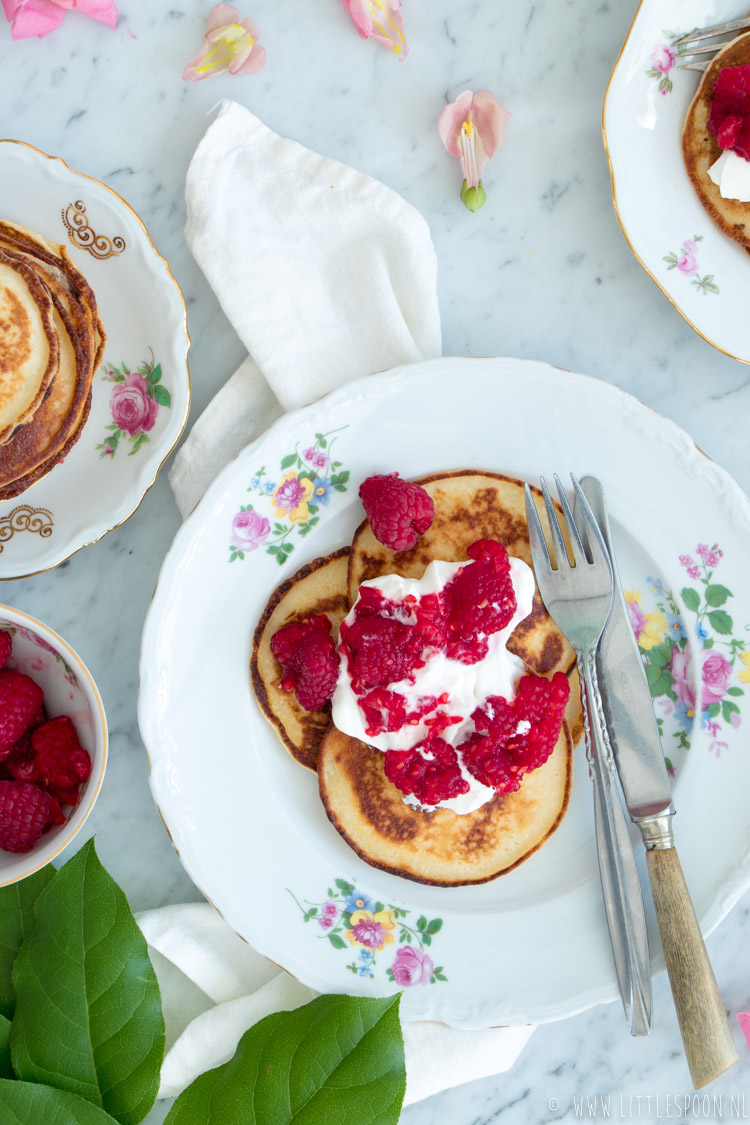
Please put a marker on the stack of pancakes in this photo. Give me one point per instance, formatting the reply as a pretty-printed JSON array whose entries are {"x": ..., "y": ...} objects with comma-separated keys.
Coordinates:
[
  {"x": 51, "y": 344},
  {"x": 438, "y": 847}
]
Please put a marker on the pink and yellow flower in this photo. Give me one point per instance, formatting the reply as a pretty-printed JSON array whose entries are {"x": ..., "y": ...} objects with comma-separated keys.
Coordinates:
[
  {"x": 291, "y": 497},
  {"x": 231, "y": 44},
  {"x": 39, "y": 17},
  {"x": 472, "y": 129},
  {"x": 371, "y": 931},
  {"x": 650, "y": 628},
  {"x": 380, "y": 20}
]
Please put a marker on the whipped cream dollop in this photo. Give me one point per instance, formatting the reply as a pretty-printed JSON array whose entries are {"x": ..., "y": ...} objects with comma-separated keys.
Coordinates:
[
  {"x": 731, "y": 174},
  {"x": 466, "y": 686}
]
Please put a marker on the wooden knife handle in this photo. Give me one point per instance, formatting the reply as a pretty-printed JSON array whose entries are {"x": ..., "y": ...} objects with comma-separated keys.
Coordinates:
[{"x": 708, "y": 1042}]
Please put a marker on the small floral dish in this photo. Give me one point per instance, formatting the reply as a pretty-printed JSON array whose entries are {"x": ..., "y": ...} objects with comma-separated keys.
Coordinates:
[
  {"x": 247, "y": 821},
  {"x": 69, "y": 690},
  {"x": 705, "y": 274},
  {"x": 141, "y": 392}
]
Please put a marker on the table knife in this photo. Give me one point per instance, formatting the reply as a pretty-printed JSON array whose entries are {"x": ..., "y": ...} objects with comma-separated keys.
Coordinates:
[{"x": 639, "y": 758}]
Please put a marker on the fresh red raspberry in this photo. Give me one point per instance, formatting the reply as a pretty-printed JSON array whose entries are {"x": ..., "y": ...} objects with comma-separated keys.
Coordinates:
[
  {"x": 430, "y": 780},
  {"x": 480, "y": 600},
  {"x": 20, "y": 700},
  {"x": 63, "y": 762},
  {"x": 55, "y": 815},
  {"x": 24, "y": 811},
  {"x": 381, "y": 650},
  {"x": 383, "y": 711},
  {"x": 6, "y": 647},
  {"x": 520, "y": 735},
  {"x": 398, "y": 510},
  {"x": 729, "y": 119},
  {"x": 309, "y": 660}
]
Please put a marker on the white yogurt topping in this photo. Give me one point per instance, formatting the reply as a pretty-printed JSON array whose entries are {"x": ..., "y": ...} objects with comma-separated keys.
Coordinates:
[
  {"x": 731, "y": 174},
  {"x": 467, "y": 685}
]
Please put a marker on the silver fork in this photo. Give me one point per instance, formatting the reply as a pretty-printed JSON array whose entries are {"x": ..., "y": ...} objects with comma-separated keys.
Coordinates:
[
  {"x": 578, "y": 598},
  {"x": 686, "y": 44}
]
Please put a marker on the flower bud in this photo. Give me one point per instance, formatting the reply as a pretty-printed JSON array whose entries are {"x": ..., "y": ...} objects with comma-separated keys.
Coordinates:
[{"x": 473, "y": 197}]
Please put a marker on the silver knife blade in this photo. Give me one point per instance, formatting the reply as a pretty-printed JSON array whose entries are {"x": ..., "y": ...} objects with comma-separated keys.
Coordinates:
[{"x": 626, "y": 696}]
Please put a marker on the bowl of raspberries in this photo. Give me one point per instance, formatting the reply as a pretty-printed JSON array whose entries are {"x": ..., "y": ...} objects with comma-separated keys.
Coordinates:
[{"x": 53, "y": 744}]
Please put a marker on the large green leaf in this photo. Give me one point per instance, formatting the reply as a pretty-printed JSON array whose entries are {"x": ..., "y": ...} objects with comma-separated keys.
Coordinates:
[
  {"x": 28, "y": 1103},
  {"x": 338, "y": 1059},
  {"x": 16, "y": 919},
  {"x": 6, "y": 1070},
  {"x": 88, "y": 1011}
]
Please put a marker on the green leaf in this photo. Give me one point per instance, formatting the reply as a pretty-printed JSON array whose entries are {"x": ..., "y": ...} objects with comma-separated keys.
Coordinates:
[
  {"x": 338, "y": 1059},
  {"x": 344, "y": 887},
  {"x": 88, "y": 1011},
  {"x": 29, "y": 1103},
  {"x": 6, "y": 1070},
  {"x": 728, "y": 709},
  {"x": 735, "y": 691},
  {"x": 162, "y": 395},
  {"x": 155, "y": 376},
  {"x": 659, "y": 680},
  {"x": 435, "y": 926},
  {"x": 709, "y": 642},
  {"x": 287, "y": 462},
  {"x": 322, "y": 441},
  {"x": 716, "y": 595},
  {"x": 691, "y": 598},
  {"x": 421, "y": 922},
  {"x": 720, "y": 622},
  {"x": 336, "y": 941},
  {"x": 713, "y": 710},
  {"x": 16, "y": 920}
]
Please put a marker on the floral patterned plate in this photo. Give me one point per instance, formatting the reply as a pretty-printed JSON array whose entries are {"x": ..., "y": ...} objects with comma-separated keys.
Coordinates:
[
  {"x": 705, "y": 274},
  {"x": 142, "y": 390},
  {"x": 246, "y": 820}
]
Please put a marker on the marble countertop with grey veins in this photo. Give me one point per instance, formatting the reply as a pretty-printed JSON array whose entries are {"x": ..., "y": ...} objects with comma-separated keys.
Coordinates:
[{"x": 543, "y": 272}]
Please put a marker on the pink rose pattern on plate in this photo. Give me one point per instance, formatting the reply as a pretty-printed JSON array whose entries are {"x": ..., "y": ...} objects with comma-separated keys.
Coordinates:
[
  {"x": 663, "y": 60},
  {"x": 350, "y": 919},
  {"x": 686, "y": 261},
  {"x": 695, "y": 674},
  {"x": 305, "y": 482},
  {"x": 135, "y": 402}
]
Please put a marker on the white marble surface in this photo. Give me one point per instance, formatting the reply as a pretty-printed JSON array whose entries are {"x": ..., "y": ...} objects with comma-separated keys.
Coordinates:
[{"x": 543, "y": 272}]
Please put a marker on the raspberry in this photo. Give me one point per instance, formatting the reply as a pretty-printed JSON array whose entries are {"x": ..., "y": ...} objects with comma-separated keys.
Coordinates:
[
  {"x": 62, "y": 761},
  {"x": 308, "y": 657},
  {"x": 431, "y": 779},
  {"x": 398, "y": 510},
  {"x": 20, "y": 700},
  {"x": 480, "y": 600},
  {"x": 55, "y": 814},
  {"x": 6, "y": 647},
  {"x": 24, "y": 810},
  {"x": 729, "y": 120},
  {"x": 521, "y": 735},
  {"x": 381, "y": 650}
]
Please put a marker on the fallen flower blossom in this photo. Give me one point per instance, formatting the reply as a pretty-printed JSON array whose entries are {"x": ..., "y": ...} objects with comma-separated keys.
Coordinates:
[
  {"x": 231, "y": 44},
  {"x": 472, "y": 129},
  {"x": 744, "y": 1022},
  {"x": 39, "y": 17},
  {"x": 380, "y": 20}
]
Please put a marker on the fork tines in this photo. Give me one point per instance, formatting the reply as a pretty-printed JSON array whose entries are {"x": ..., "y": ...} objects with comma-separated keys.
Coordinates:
[{"x": 686, "y": 44}]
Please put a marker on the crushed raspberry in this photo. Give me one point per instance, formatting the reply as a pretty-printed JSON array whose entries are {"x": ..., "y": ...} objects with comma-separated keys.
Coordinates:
[
  {"x": 62, "y": 761},
  {"x": 520, "y": 735},
  {"x": 20, "y": 700},
  {"x": 309, "y": 660},
  {"x": 398, "y": 510},
  {"x": 380, "y": 650},
  {"x": 434, "y": 778},
  {"x": 6, "y": 647},
  {"x": 385, "y": 711},
  {"x": 24, "y": 812},
  {"x": 480, "y": 600},
  {"x": 729, "y": 120}
]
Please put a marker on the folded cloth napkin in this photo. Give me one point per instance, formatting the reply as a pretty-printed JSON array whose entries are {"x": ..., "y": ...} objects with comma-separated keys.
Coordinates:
[
  {"x": 326, "y": 275},
  {"x": 214, "y": 987}
]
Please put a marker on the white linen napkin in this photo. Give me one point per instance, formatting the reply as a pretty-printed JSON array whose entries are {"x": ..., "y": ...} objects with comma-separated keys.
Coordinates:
[
  {"x": 214, "y": 987},
  {"x": 326, "y": 275}
]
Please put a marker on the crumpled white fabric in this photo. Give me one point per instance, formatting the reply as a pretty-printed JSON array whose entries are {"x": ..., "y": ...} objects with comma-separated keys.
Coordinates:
[
  {"x": 215, "y": 986},
  {"x": 324, "y": 273}
]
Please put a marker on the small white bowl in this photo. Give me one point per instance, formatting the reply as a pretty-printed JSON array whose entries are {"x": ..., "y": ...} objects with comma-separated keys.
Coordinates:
[{"x": 68, "y": 690}]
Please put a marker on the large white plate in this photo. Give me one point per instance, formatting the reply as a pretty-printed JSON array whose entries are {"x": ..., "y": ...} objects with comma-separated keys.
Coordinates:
[
  {"x": 246, "y": 820},
  {"x": 144, "y": 315},
  {"x": 703, "y": 272}
]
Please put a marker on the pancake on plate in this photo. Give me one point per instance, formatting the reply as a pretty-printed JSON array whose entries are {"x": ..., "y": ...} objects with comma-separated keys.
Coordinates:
[{"x": 700, "y": 148}]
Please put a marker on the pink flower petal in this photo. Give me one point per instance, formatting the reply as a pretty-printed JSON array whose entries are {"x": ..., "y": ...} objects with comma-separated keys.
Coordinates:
[
  {"x": 380, "y": 20},
  {"x": 230, "y": 46},
  {"x": 491, "y": 121},
  {"x": 103, "y": 10},
  {"x": 221, "y": 15},
  {"x": 36, "y": 17},
  {"x": 254, "y": 62},
  {"x": 451, "y": 119},
  {"x": 10, "y": 7},
  {"x": 744, "y": 1022}
]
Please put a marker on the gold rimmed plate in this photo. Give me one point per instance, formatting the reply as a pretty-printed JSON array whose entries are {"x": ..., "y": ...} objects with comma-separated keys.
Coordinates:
[{"x": 141, "y": 392}]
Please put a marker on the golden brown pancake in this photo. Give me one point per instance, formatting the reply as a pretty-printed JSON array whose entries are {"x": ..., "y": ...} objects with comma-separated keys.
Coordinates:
[
  {"x": 29, "y": 347},
  {"x": 439, "y": 847},
  {"x": 319, "y": 587},
  {"x": 470, "y": 505},
  {"x": 700, "y": 148}
]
